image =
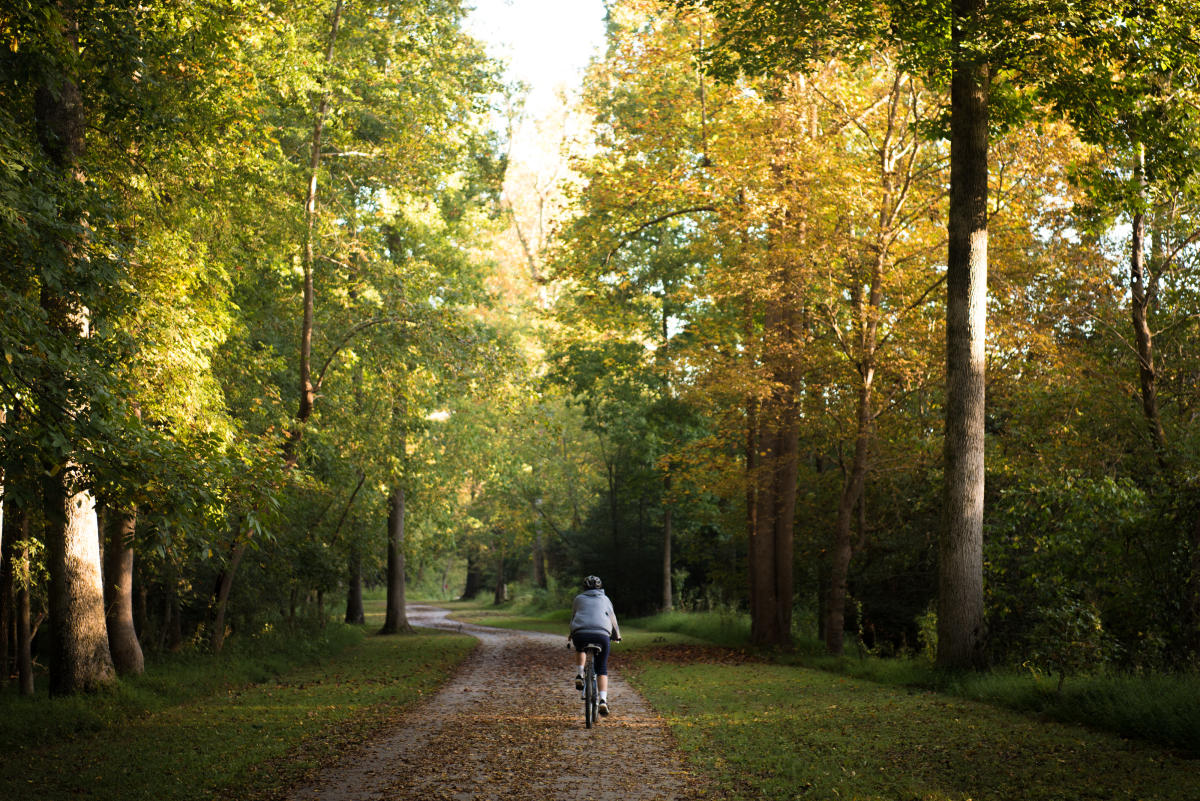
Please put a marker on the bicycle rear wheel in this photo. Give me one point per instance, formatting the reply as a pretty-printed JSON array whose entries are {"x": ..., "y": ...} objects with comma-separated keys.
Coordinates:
[{"x": 590, "y": 703}]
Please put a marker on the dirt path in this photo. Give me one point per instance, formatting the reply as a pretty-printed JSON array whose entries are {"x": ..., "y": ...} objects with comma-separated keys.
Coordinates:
[{"x": 509, "y": 726}]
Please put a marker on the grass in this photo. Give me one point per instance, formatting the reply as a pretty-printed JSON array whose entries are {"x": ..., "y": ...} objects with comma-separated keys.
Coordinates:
[
  {"x": 191, "y": 730},
  {"x": 169, "y": 680},
  {"x": 782, "y": 732},
  {"x": 1158, "y": 709},
  {"x": 720, "y": 628}
]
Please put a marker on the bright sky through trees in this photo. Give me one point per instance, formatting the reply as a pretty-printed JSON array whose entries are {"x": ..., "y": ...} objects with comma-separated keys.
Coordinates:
[{"x": 545, "y": 43}]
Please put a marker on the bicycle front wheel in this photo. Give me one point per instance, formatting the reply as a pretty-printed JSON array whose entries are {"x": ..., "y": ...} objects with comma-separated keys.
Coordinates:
[{"x": 590, "y": 703}]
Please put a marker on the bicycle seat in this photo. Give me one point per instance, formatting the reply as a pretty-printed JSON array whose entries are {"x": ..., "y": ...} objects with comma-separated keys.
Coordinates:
[{"x": 591, "y": 646}]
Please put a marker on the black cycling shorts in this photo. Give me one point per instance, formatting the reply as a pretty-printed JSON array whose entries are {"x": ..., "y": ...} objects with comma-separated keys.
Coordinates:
[{"x": 583, "y": 638}]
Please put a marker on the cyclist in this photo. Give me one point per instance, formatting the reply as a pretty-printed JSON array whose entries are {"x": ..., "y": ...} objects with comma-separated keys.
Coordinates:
[{"x": 593, "y": 621}]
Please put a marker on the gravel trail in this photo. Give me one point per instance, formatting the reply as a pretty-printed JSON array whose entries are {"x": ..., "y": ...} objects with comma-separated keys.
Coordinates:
[{"x": 509, "y": 725}]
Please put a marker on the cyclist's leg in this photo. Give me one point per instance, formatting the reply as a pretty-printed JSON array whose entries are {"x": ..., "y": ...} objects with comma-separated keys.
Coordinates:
[
  {"x": 602, "y": 665},
  {"x": 579, "y": 660}
]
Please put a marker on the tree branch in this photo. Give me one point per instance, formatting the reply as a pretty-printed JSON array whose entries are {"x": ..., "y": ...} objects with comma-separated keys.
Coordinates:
[
  {"x": 345, "y": 340},
  {"x": 625, "y": 237}
]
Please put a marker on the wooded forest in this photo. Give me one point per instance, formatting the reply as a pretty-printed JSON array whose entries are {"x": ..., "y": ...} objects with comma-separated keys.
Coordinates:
[{"x": 875, "y": 321}]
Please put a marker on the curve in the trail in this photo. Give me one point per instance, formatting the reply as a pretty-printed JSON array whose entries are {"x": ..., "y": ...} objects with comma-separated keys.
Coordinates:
[{"x": 509, "y": 725}]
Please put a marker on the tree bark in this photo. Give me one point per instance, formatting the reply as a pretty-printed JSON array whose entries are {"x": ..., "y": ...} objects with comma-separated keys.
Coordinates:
[
  {"x": 221, "y": 601},
  {"x": 80, "y": 658},
  {"x": 79, "y": 649},
  {"x": 24, "y": 628},
  {"x": 500, "y": 591},
  {"x": 396, "y": 620},
  {"x": 7, "y": 598},
  {"x": 668, "y": 514},
  {"x": 355, "y": 614},
  {"x": 539, "y": 558},
  {"x": 16, "y": 613},
  {"x": 118, "y": 593},
  {"x": 843, "y": 545},
  {"x": 1140, "y": 312},
  {"x": 960, "y": 553},
  {"x": 474, "y": 581},
  {"x": 776, "y": 467},
  {"x": 307, "y": 389}
]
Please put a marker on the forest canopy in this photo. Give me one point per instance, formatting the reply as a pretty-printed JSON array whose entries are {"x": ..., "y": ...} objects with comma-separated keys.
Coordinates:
[{"x": 876, "y": 324}]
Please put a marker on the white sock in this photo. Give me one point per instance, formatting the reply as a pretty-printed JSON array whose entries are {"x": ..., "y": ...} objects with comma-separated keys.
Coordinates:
[
  {"x": 579, "y": 673},
  {"x": 604, "y": 695}
]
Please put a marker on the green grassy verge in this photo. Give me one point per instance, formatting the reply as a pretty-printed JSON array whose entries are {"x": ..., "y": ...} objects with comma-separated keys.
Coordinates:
[
  {"x": 780, "y": 732},
  {"x": 1159, "y": 709},
  {"x": 182, "y": 733},
  {"x": 1163, "y": 709}
]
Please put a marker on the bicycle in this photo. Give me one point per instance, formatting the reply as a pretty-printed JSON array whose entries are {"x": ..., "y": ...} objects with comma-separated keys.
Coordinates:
[
  {"x": 591, "y": 695},
  {"x": 591, "y": 691}
]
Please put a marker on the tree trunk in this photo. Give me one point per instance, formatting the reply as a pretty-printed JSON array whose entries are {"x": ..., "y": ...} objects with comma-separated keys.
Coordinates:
[
  {"x": 785, "y": 521},
  {"x": 667, "y": 594},
  {"x": 79, "y": 649},
  {"x": 118, "y": 593},
  {"x": 1140, "y": 310},
  {"x": 80, "y": 657},
  {"x": 843, "y": 546},
  {"x": 396, "y": 620},
  {"x": 221, "y": 601},
  {"x": 24, "y": 627},
  {"x": 7, "y": 597},
  {"x": 16, "y": 530},
  {"x": 762, "y": 537},
  {"x": 776, "y": 465},
  {"x": 500, "y": 592},
  {"x": 355, "y": 614},
  {"x": 308, "y": 391},
  {"x": 960, "y": 553},
  {"x": 539, "y": 558},
  {"x": 474, "y": 583}
]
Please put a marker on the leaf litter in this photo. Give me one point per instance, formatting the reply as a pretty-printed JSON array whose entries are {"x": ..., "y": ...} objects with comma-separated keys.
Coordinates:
[{"x": 509, "y": 725}]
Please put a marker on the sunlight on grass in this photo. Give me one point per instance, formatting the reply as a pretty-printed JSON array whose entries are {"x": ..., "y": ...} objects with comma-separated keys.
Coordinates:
[
  {"x": 255, "y": 738},
  {"x": 779, "y": 732}
]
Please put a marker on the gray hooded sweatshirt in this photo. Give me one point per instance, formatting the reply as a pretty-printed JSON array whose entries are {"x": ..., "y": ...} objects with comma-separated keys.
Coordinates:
[{"x": 593, "y": 613}]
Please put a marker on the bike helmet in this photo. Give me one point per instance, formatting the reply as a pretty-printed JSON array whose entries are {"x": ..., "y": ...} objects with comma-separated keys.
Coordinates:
[{"x": 592, "y": 583}]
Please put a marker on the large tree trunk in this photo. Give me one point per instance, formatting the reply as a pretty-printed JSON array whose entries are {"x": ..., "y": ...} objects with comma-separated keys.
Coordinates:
[
  {"x": 396, "y": 620},
  {"x": 118, "y": 593},
  {"x": 80, "y": 658},
  {"x": 776, "y": 464},
  {"x": 79, "y": 649},
  {"x": 960, "y": 553},
  {"x": 474, "y": 583},
  {"x": 355, "y": 614}
]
